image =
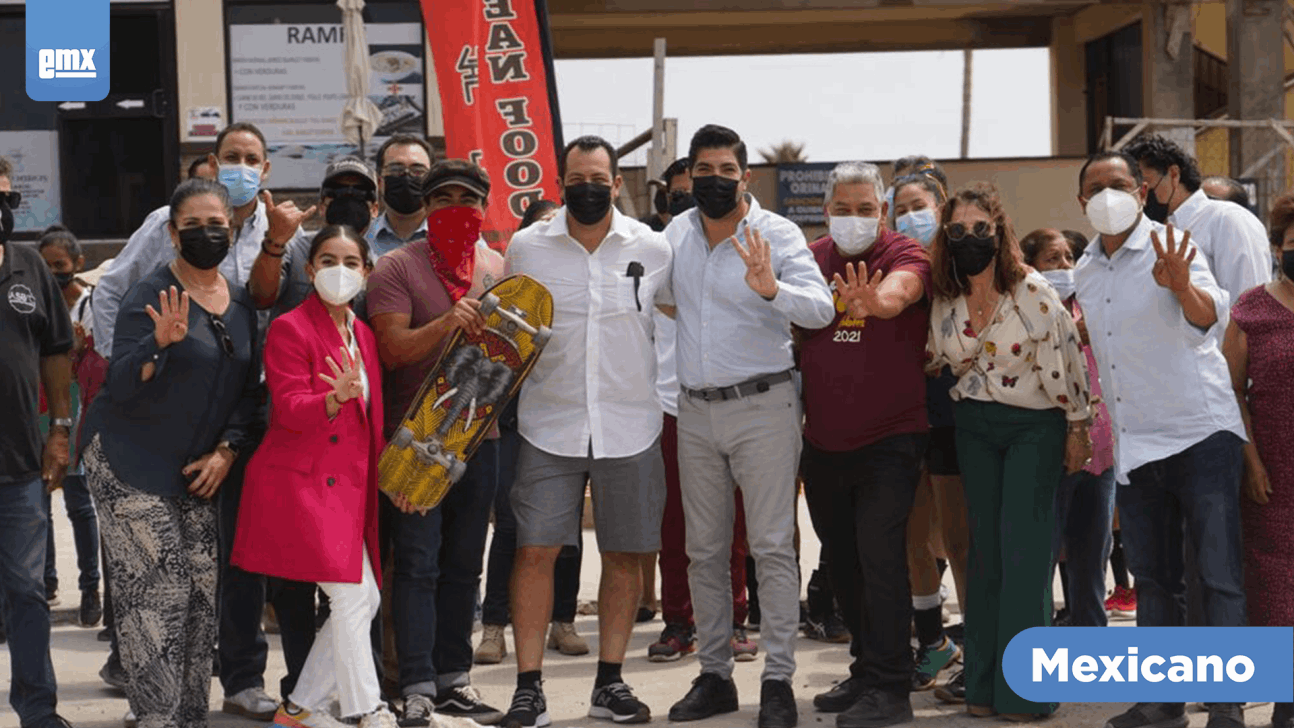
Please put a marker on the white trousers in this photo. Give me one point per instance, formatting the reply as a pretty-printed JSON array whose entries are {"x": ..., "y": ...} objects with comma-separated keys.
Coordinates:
[{"x": 341, "y": 659}]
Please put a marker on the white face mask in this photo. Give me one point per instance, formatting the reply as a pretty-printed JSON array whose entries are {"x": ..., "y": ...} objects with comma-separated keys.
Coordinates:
[
  {"x": 1062, "y": 279},
  {"x": 853, "y": 235},
  {"x": 338, "y": 284},
  {"x": 1113, "y": 212}
]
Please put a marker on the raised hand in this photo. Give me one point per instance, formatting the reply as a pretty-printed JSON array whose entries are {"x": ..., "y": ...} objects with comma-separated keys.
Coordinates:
[
  {"x": 1173, "y": 263},
  {"x": 757, "y": 255},
  {"x": 284, "y": 218},
  {"x": 171, "y": 325},
  {"x": 346, "y": 383},
  {"x": 860, "y": 295}
]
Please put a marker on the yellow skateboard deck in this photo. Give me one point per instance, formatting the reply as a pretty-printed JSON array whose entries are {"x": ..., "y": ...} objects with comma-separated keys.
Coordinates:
[{"x": 462, "y": 398}]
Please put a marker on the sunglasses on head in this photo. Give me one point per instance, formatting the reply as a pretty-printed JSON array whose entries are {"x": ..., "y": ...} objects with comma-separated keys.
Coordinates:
[
  {"x": 957, "y": 230},
  {"x": 13, "y": 199},
  {"x": 222, "y": 333},
  {"x": 349, "y": 191}
]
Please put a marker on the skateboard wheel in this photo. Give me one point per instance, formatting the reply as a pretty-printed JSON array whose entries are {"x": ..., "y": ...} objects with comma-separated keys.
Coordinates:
[
  {"x": 542, "y": 336},
  {"x": 489, "y": 304},
  {"x": 403, "y": 438},
  {"x": 457, "y": 471}
]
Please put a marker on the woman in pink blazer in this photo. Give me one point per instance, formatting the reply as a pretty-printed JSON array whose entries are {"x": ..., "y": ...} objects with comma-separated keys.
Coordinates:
[{"x": 309, "y": 507}]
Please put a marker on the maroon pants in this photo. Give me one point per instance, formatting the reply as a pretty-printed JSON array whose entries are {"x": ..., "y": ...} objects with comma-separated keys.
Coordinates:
[{"x": 675, "y": 596}]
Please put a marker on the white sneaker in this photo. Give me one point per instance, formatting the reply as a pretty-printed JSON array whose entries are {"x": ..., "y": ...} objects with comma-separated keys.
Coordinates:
[
  {"x": 252, "y": 703},
  {"x": 284, "y": 718},
  {"x": 380, "y": 718},
  {"x": 130, "y": 721}
]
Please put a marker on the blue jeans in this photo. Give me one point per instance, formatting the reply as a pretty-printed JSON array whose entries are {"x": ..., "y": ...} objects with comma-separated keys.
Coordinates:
[
  {"x": 85, "y": 533},
  {"x": 23, "y": 523},
  {"x": 437, "y": 579},
  {"x": 1084, "y": 517},
  {"x": 1197, "y": 491},
  {"x": 503, "y": 547}
]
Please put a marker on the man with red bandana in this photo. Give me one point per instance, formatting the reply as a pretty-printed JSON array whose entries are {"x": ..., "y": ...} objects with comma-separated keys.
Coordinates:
[{"x": 418, "y": 296}]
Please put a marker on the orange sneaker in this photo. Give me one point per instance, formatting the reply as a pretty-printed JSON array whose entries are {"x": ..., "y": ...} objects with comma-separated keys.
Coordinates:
[{"x": 1122, "y": 603}]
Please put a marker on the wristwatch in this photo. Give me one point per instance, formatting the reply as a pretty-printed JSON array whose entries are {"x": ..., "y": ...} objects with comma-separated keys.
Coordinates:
[
  {"x": 63, "y": 422},
  {"x": 225, "y": 445}
]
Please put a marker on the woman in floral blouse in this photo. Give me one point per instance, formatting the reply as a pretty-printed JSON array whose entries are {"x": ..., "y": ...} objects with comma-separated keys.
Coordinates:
[{"x": 1021, "y": 376}]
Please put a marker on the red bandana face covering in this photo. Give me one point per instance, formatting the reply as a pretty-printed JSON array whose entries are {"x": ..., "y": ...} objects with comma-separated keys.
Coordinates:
[{"x": 452, "y": 233}]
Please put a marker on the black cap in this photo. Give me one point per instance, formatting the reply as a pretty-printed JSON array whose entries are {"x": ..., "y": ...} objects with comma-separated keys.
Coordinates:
[
  {"x": 350, "y": 165},
  {"x": 457, "y": 172}
]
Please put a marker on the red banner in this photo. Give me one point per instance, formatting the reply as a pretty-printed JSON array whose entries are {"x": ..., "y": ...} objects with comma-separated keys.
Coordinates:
[{"x": 494, "y": 69}]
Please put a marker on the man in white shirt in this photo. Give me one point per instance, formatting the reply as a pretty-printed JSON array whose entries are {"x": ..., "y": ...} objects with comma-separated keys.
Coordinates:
[
  {"x": 742, "y": 277},
  {"x": 1178, "y": 433},
  {"x": 1232, "y": 240},
  {"x": 589, "y": 413}
]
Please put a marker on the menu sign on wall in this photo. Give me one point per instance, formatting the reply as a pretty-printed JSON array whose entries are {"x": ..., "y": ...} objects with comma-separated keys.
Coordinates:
[{"x": 290, "y": 81}]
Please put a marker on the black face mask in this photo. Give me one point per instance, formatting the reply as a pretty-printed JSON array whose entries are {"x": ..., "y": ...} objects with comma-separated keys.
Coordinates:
[
  {"x": 402, "y": 193},
  {"x": 1154, "y": 209},
  {"x": 204, "y": 247},
  {"x": 680, "y": 202},
  {"x": 715, "y": 196},
  {"x": 349, "y": 209},
  {"x": 971, "y": 255},
  {"x": 6, "y": 221},
  {"x": 64, "y": 279},
  {"x": 1287, "y": 263},
  {"x": 588, "y": 202}
]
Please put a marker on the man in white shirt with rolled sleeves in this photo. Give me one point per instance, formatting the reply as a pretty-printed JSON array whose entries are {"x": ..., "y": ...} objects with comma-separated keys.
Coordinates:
[
  {"x": 742, "y": 277},
  {"x": 1152, "y": 310},
  {"x": 589, "y": 413}
]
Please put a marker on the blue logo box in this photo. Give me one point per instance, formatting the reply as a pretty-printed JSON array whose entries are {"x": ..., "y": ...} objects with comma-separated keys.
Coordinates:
[
  {"x": 67, "y": 50},
  {"x": 1152, "y": 664}
]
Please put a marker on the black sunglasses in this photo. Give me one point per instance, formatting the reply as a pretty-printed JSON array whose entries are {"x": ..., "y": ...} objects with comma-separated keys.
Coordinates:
[
  {"x": 957, "y": 231},
  {"x": 349, "y": 191},
  {"x": 13, "y": 199},
  {"x": 226, "y": 343}
]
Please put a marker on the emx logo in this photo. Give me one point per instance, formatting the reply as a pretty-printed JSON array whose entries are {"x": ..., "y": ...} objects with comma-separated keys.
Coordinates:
[
  {"x": 67, "y": 50},
  {"x": 67, "y": 63}
]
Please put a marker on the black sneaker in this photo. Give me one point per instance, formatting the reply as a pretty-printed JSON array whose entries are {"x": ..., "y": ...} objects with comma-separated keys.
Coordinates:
[
  {"x": 418, "y": 711},
  {"x": 829, "y": 629},
  {"x": 1151, "y": 715},
  {"x": 465, "y": 702},
  {"x": 777, "y": 705},
  {"x": 616, "y": 702},
  {"x": 876, "y": 709},
  {"x": 839, "y": 698},
  {"x": 528, "y": 710},
  {"x": 91, "y": 608},
  {"x": 1226, "y": 715},
  {"x": 114, "y": 673},
  {"x": 954, "y": 691},
  {"x": 51, "y": 721}
]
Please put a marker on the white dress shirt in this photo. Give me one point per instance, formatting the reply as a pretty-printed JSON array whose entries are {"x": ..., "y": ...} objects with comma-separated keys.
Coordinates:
[
  {"x": 1164, "y": 380},
  {"x": 727, "y": 333},
  {"x": 596, "y": 379},
  {"x": 1231, "y": 238},
  {"x": 666, "y": 366},
  {"x": 150, "y": 247}
]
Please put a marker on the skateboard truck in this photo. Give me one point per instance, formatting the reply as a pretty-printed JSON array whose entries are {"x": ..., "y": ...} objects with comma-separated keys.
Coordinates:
[
  {"x": 490, "y": 304},
  {"x": 430, "y": 452}
]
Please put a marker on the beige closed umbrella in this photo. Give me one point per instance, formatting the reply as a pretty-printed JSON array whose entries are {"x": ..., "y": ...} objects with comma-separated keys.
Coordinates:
[{"x": 359, "y": 116}]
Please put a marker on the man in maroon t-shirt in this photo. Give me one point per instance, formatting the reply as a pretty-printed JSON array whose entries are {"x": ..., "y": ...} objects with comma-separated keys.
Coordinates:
[{"x": 865, "y": 437}]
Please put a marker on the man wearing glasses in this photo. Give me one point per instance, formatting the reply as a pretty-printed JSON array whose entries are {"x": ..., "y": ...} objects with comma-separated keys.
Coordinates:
[{"x": 403, "y": 162}]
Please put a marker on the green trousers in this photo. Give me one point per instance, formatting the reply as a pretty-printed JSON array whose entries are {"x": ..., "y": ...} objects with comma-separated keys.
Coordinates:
[{"x": 1011, "y": 460}]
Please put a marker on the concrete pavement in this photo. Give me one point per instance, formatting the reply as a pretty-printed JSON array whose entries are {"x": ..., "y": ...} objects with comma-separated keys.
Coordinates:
[{"x": 88, "y": 703}]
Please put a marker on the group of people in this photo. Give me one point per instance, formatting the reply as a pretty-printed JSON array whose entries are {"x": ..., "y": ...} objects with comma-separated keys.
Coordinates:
[{"x": 949, "y": 396}]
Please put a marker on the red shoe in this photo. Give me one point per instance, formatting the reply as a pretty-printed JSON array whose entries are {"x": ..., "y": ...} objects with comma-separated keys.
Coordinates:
[
  {"x": 675, "y": 641},
  {"x": 1122, "y": 603}
]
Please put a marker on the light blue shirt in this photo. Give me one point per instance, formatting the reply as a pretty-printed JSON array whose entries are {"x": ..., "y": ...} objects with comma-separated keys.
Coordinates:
[
  {"x": 149, "y": 248},
  {"x": 1164, "y": 380},
  {"x": 382, "y": 239},
  {"x": 727, "y": 333}
]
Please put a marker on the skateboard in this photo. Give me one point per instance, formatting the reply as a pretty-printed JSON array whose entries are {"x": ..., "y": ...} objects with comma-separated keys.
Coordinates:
[{"x": 462, "y": 398}]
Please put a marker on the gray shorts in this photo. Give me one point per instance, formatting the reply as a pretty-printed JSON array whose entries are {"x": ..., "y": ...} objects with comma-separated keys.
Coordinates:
[{"x": 628, "y": 499}]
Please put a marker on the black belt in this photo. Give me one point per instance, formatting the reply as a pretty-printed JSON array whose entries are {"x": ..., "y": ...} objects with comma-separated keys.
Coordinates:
[{"x": 758, "y": 385}]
